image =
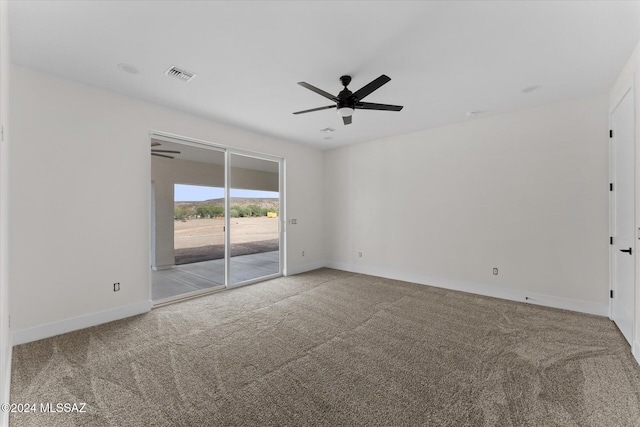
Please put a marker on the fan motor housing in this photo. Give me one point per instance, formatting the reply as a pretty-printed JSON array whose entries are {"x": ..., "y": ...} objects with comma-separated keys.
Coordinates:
[
  {"x": 344, "y": 94},
  {"x": 342, "y": 103}
]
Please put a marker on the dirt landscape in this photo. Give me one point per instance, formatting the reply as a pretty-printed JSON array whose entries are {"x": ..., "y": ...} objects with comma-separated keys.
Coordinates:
[{"x": 203, "y": 239}]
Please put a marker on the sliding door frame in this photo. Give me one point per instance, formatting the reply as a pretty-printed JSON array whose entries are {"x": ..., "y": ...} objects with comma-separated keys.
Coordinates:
[{"x": 228, "y": 151}]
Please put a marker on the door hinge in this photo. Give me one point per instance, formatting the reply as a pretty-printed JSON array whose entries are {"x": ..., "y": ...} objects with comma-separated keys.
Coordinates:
[
  {"x": 611, "y": 293},
  {"x": 611, "y": 240},
  {"x": 611, "y": 186},
  {"x": 610, "y": 133}
]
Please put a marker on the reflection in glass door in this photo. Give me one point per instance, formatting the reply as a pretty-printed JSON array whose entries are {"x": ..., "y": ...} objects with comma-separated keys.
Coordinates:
[{"x": 254, "y": 217}]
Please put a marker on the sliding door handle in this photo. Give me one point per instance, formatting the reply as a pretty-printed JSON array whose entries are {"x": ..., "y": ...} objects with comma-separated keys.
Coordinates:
[{"x": 626, "y": 250}]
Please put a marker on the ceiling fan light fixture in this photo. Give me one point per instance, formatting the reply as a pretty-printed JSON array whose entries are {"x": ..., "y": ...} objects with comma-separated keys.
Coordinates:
[{"x": 345, "y": 111}]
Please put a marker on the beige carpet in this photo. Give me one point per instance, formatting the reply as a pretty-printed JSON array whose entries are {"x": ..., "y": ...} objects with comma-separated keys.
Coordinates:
[{"x": 336, "y": 349}]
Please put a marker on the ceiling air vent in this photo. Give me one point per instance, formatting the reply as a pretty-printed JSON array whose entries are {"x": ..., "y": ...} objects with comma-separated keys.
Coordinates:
[{"x": 179, "y": 73}]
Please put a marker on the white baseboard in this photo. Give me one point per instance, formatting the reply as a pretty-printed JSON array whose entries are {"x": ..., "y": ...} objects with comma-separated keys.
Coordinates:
[
  {"x": 6, "y": 384},
  {"x": 304, "y": 268},
  {"x": 479, "y": 289},
  {"x": 75, "y": 323}
]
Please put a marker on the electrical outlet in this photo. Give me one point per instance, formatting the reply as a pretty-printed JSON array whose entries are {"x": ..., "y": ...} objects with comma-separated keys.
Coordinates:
[
  {"x": 116, "y": 287},
  {"x": 294, "y": 221},
  {"x": 495, "y": 271},
  {"x": 360, "y": 254}
]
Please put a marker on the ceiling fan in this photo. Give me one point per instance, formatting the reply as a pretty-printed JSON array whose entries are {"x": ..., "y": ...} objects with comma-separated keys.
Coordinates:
[
  {"x": 156, "y": 152},
  {"x": 346, "y": 101}
]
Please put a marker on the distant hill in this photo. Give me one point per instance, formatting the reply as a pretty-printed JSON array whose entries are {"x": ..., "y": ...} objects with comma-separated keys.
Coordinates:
[{"x": 235, "y": 201}]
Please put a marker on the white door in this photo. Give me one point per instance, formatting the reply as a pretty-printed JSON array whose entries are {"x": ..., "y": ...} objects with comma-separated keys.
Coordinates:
[{"x": 623, "y": 248}]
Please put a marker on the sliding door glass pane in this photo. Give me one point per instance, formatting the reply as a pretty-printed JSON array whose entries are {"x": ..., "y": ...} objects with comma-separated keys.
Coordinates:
[
  {"x": 254, "y": 216},
  {"x": 188, "y": 219}
]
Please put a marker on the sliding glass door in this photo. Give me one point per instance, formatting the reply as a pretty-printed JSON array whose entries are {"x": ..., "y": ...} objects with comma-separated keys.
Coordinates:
[
  {"x": 254, "y": 218},
  {"x": 188, "y": 251},
  {"x": 215, "y": 216}
]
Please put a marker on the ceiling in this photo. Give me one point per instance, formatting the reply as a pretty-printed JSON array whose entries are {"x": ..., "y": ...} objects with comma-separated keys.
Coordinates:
[{"x": 445, "y": 58}]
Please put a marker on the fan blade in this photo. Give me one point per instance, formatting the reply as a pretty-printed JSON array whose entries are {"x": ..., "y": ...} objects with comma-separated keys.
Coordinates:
[
  {"x": 374, "y": 85},
  {"x": 346, "y": 120},
  {"x": 372, "y": 106},
  {"x": 315, "y": 109},
  {"x": 155, "y": 144},
  {"x": 162, "y": 155},
  {"x": 318, "y": 91},
  {"x": 164, "y": 151}
]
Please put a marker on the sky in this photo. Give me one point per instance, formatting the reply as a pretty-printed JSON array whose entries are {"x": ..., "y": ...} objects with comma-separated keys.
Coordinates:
[{"x": 196, "y": 193}]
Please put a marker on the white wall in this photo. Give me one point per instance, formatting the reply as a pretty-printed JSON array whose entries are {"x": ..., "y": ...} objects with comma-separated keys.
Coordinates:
[
  {"x": 629, "y": 74},
  {"x": 5, "y": 331},
  {"x": 525, "y": 192},
  {"x": 80, "y": 200}
]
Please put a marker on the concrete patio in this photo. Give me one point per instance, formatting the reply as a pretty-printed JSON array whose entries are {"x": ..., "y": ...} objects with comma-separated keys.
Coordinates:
[{"x": 188, "y": 278}]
